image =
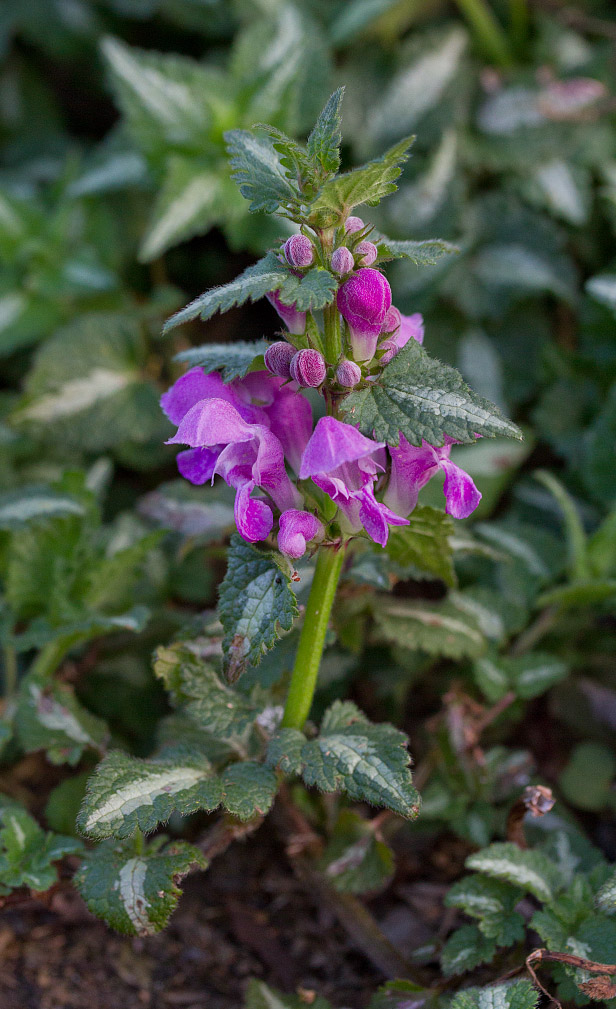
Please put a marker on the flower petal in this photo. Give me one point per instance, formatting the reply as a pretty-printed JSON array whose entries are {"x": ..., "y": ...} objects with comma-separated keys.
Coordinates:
[
  {"x": 332, "y": 444},
  {"x": 189, "y": 389},
  {"x": 411, "y": 468},
  {"x": 460, "y": 492},
  {"x": 253, "y": 518},
  {"x": 197, "y": 464},
  {"x": 290, "y": 419},
  {"x": 376, "y": 517},
  {"x": 212, "y": 422},
  {"x": 296, "y": 529}
]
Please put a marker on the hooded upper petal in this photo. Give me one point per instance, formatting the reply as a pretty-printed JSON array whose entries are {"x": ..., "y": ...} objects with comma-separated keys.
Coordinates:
[
  {"x": 333, "y": 444},
  {"x": 296, "y": 529}
]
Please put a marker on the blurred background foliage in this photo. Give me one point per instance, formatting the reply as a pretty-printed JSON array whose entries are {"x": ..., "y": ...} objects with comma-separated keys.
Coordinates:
[{"x": 116, "y": 207}]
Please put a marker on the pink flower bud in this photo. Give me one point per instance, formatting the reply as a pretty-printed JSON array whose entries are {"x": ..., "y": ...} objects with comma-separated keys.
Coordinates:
[
  {"x": 294, "y": 321},
  {"x": 278, "y": 357},
  {"x": 363, "y": 300},
  {"x": 308, "y": 368},
  {"x": 348, "y": 374},
  {"x": 391, "y": 322},
  {"x": 298, "y": 251},
  {"x": 342, "y": 260},
  {"x": 390, "y": 348},
  {"x": 367, "y": 252},
  {"x": 353, "y": 224}
]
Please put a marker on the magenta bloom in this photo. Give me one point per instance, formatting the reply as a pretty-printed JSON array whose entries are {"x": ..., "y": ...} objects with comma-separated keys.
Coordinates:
[
  {"x": 400, "y": 329},
  {"x": 278, "y": 358},
  {"x": 363, "y": 300},
  {"x": 296, "y": 528},
  {"x": 368, "y": 252},
  {"x": 294, "y": 321},
  {"x": 345, "y": 464},
  {"x": 342, "y": 260},
  {"x": 353, "y": 224},
  {"x": 411, "y": 469},
  {"x": 308, "y": 368},
  {"x": 246, "y": 456}
]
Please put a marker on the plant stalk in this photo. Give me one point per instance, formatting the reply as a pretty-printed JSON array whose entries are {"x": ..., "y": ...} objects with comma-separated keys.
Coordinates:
[
  {"x": 487, "y": 31},
  {"x": 518, "y": 17},
  {"x": 312, "y": 637},
  {"x": 333, "y": 338}
]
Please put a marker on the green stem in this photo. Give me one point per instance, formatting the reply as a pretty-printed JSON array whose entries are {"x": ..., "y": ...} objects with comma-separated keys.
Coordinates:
[
  {"x": 333, "y": 339},
  {"x": 312, "y": 638},
  {"x": 487, "y": 31},
  {"x": 50, "y": 657}
]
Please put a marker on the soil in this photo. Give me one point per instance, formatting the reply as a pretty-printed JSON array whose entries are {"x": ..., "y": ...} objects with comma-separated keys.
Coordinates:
[{"x": 247, "y": 916}]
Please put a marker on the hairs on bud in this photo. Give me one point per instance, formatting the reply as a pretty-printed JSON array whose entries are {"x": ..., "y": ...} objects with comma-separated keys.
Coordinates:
[
  {"x": 342, "y": 260},
  {"x": 353, "y": 224},
  {"x": 308, "y": 368},
  {"x": 278, "y": 357},
  {"x": 298, "y": 251},
  {"x": 367, "y": 252},
  {"x": 348, "y": 374}
]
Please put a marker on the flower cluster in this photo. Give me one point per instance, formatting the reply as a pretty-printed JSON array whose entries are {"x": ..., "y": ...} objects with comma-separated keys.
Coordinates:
[{"x": 257, "y": 433}]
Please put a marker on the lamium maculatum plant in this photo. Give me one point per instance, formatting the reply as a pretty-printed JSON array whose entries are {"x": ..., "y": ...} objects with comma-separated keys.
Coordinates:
[{"x": 326, "y": 434}]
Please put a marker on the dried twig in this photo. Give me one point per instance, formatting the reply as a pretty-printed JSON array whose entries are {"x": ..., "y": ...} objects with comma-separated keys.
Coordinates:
[{"x": 536, "y": 800}]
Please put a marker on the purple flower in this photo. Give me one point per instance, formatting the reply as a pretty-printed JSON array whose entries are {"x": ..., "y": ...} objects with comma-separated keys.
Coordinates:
[
  {"x": 404, "y": 328},
  {"x": 363, "y": 300},
  {"x": 298, "y": 251},
  {"x": 278, "y": 357},
  {"x": 308, "y": 368},
  {"x": 246, "y": 456},
  {"x": 294, "y": 321},
  {"x": 342, "y": 260},
  {"x": 296, "y": 528},
  {"x": 367, "y": 252},
  {"x": 412, "y": 468},
  {"x": 345, "y": 464}
]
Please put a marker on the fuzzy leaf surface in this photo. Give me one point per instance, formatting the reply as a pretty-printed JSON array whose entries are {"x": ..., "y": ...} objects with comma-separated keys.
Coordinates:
[
  {"x": 233, "y": 360},
  {"x": 258, "y": 172},
  {"x": 515, "y": 995},
  {"x": 135, "y": 894},
  {"x": 248, "y": 789},
  {"x": 531, "y": 870},
  {"x": 436, "y": 628},
  {"x": 424, "y": 253},
  {"x": 465, "y": 949},
  {"x": 126, "y": 792},
  {"x": 326, "y": 136},
  {"x": 49, "y": 717},
  {"x": 256, "y": 599},
  {"x": 27, "y": 852},
  {"x": 265, "y": 275},
  {"x": 425, "y": 543},
  {"x": 314, "y": 290},
  {"x": 423, "y": 399}
]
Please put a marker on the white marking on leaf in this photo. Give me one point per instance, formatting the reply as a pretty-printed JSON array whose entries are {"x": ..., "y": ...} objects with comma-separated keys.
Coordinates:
[
  {"x": 79, "y": 394},
  {"x": 143, "y": 792},
  {"x": 55, "y": 716},
  {"x": 132, "y": 893}
]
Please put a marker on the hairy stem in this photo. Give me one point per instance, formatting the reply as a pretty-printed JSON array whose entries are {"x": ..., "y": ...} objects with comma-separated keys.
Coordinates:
[
  {"x": 312, "y": 638},
  {"x": 487, "y": 31},
  {"x": 333, "y": 339}
]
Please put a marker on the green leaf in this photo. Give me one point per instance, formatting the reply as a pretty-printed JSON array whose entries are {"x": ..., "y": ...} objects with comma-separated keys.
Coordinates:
[
  {"x": 265, "y": 275},
  {"x": 527, "y": 675},
  {"x": 257, "y": 170},
  {"x": 256, "y": 599},
  {"x": 285, "y": 750},
  {"x": 35, "y": 503},
  {"x": 531, "y": 870},
  {"x": 575, "y": 535},
  {"x": 125, "y": 792},
  {"x": 86, "y": 389},
  {"x": 424, "y": 253},
  {"x": 49, "y": 717},
  {"x": 513, "y": 995},
  {"x": 234, "y": 360},
  {"x": 261, "y": 996},
  {"x": 587, "y": 779},
  {"x": 423, "y": 399},
  {"x": 190, "y": 202},
  {"x": 579, "y": 594},
  {"x": 248, "y": 789},
  {"x": 603, "y": 289},
  {"x": 314, "y": 290},
  {"x": 436, "y": 628},
  {"x": 354, "y": 861},
  {"x": 326, "y": 136},
  {"x": 27, "y": 852},
  {"x": 135, "y": 894},
  {"x": 465, "y": 950},
  {"x": 369, "y": 762},
  {"x": 425, "y": 543},
  {"x": 368, "y": 184},
  {"x": 605, "y": 899},
  {"x": 492, "y": 902}
]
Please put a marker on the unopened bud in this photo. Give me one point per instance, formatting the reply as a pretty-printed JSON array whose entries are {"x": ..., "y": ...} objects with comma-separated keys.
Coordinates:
[
  {"x": 367, "y": 252},
  {"x": 278, "y": 357},
  {"x": 348, "y": 374},
  {"x": 390, "y": 348},
  {"x": 308, "y": 368},
  {"x": 353, "y": 224},
  {"x": 298, "y": 251},
  {"x": 364, "y": 300},
  {"x": 391, "y": 322},
  {"x": 342, "y": 260}
]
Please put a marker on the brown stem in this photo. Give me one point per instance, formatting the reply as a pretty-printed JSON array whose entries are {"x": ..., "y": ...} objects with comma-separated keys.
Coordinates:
[
  {"x": 225, "y": 831},
  {"x": 536, "y": 800}
]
